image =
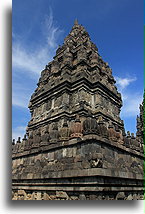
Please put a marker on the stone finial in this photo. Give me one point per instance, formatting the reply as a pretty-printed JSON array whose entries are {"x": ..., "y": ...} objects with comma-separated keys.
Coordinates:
[
  {"x": 127, "y": 140},
  {"x": 138, "y": 134},
  {"x": 29, "y": 142},
  {"x": 123, "y": 133},
  {"x": 76, "y": 22},
  {"x": 19, "y": 140},
  {"x": 13, "y": 142},
  {"x": 128, "y": 134},
  {"x": 134, "y": 143},
  {"x": 103, "y": 68},
  {"x": 25, "y": 138},
  {"x": 13, "y": 146},
  {"x": 106, "y": 63},
  {"x": 119, "y": 135},
  {"x": 132, "y": 136}
]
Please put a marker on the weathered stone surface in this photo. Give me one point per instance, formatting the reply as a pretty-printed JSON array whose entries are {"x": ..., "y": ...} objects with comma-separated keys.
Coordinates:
[
  {"x": 76, "y": 147},
  {"x": 46, "y": 197},
  {"x": 120, "y": 196},
  {"x": 54, "y": 134},
  {"x": 76, "y": 129},
  {"x": 64, "y": 131},
  {"x": 62, "y": 195},
  {"x": 130, "y": 197},
  {"x": 82, "y": 197},
  {"x": 90, "y": 125},
  {"x": 85, "y": 164}
]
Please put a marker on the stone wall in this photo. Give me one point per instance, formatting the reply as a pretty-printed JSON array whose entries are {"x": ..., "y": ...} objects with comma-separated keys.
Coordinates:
[
  {"x": 61, "y": 167},
  {"x": 63, "y": 195}
]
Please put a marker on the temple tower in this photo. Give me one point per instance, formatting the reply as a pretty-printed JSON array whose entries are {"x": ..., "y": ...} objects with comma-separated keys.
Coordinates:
[
  {"x": 75, "y": 82},
  {"x": 75, "y": 146}
]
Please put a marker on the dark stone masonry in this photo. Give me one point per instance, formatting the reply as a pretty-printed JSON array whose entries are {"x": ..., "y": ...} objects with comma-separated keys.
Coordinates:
[{"x": 76, "y": 147}]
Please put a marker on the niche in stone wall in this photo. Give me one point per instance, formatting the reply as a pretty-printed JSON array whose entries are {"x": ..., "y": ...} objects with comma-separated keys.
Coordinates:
[
  {"x": 74, "y": 99},
  {"x": 43, "y": 129},
  {"x": 83, "y": 95},
  {"x": 65, "y": 99},
  {"x": 37, "y": 111},
  {"x": 47, "y": 105},
  {"x": 34, "y": 112},
  {"x": 57, "y": 102},
  {"x": 97, "y": 100},
  {"x": 40, "y": 108}
]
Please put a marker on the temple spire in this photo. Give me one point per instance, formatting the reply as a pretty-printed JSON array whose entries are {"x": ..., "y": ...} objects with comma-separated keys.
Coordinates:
[{"x": 76, "y": 22}]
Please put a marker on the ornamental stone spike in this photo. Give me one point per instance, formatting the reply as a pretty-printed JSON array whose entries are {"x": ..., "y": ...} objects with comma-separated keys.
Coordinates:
[
  {"x": 13, "y": 142},
  {"x": 19, "y": 140},
  {"x": 76, "y": 22}
]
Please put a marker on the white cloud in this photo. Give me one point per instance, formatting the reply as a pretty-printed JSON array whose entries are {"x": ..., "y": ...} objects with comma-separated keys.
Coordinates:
[
  {"x": 122, "y": 83},
  {"x": 20, "y": 95},
  {"x": 18, "y": 132},
  {"x": 131, "y": 104},
  {"x": 33, "y": 61},
  {"x": 131, "y": 100},
  {"x": 52, "y": 32},
  {"x": 28, "y": 62}
]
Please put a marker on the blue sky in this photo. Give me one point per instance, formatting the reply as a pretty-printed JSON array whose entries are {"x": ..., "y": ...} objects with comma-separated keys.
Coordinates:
[{"x": 39, "y": 26}]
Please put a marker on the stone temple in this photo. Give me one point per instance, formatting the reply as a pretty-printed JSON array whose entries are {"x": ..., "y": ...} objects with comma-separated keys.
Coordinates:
[{"x": 76, "y": 146}]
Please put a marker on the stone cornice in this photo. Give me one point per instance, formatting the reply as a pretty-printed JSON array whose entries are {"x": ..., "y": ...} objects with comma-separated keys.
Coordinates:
[
  {"x": 72, "y": 86},
  {"x": 86, "y": 139}
]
